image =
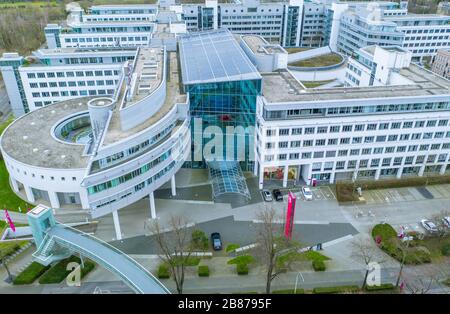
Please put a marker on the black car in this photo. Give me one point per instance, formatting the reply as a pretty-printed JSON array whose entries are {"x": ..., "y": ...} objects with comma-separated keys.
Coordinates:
[
  {"x": 278, "y": 195},
  {"x": 216, "y": 241}
]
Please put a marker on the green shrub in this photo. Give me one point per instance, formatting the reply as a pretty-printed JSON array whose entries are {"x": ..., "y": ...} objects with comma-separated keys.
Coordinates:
[
  {"x": 232, "y": 247},
  {"x": 447, "y": 282},
  {"x": 190, "y": 261},
  {"x": 59, "y": 272},
  {"x": 445, "y": 249},
  {"x": 242, "y": 269},
  {"x": 319, "y": 265},
  {"x": 289, "y": 291},
  {"x": 200, "y": 240},
  {"x": 385, "y": 286},
  {"x": 203, "y": 271},
  {"x": 163, "y": 271},
  {"x": 338, "y": 289},
  {"x": 385, "y": 231},
  {"x": 345, "y": 192},
  {"x": 243, "y": 259},
  {"x": 315, "y": 256},
  {"x": 30, "y": 274}
]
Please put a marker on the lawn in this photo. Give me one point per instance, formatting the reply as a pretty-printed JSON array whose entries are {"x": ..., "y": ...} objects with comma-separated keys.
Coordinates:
[
  {"x": 59, "y": 271},
  {"x": 30, "y": 274},
  {"x": 23, "y": 4},
  {"x": 297, "y": 49},
  {"x": 8, "y": 199},
  {"x": 319, "y": 61},
  {"x": 312, "y": 84}
]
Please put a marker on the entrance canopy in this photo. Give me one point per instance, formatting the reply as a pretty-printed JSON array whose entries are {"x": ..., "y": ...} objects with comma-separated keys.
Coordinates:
[{"x": 227, "y": 177}]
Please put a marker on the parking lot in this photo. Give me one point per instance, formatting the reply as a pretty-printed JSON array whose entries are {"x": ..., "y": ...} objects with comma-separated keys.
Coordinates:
[{"x": 320, "y": 193}]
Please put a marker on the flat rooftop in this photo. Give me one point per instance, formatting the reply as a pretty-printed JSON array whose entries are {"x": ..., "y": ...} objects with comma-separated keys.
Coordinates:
[
  {"x": 214, "y": 56},
  {"x": 282, "y": 87},
  {"x": 260, "y": 46},
  {"x": 174, "y": 95},
  {"x": 29, "y": 138}
]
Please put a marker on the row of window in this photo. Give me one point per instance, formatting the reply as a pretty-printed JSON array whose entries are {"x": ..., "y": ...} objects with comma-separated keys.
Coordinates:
[
  {"x": 375, "y": 162},
  {"x": 75, "y": 93},
  {"x": 32, "y": 75},
  {"x": 104, "y": 39},
  {"x": 357, "y": 127},
  {"x": 74, "y": 83},
  {"x": 33, "y": 175}
]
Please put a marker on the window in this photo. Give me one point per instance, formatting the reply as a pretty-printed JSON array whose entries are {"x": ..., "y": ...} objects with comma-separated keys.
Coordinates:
[
  {"x": 320, "y": 142},
  {"x": 371, "y": 127},
  {"x": 282, "y": 157},
  {"x": 270, "y": 132},
  {"x": 347, "y": 128},
  {"x": 331, "y": 153},
  {"x": 322, "y": 129},
  {"x": 284, "y": 132},
  {"x": 293, "y": 156},
  {"x": 359, "y": 127},
  {"x": 307, "y": 143},
  {"x": 431, "y": 123},
  {"x": 395, "y": 125},
  {"x": 309, "y": 130},
  {"x": 295, "y": 144},
  {"x": 383, "y": 126},
  {"x": 318, "y": 154},
  {"x": 296, "y": 131},
  {"x": 343, "y": 152},
  {"x": 354, "y": 152},
  {"x": 334, "y": 129},
  {"x": 345, "y": 140},
  {"x": 366, "y": 151},
  {"x": 283, "y": 144}
]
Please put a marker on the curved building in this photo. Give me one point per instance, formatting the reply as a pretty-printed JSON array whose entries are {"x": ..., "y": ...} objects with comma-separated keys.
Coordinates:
[{"x": 104, "y": 153}]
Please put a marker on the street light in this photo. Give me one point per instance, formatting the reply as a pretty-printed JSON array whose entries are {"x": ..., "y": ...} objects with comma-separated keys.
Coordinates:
[{"x": 296, "y": 281}]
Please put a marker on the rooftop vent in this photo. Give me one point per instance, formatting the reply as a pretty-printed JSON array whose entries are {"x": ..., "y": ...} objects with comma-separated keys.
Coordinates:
[
  {"x": 47, "y": 152},
  {"x": 35, "y": 150},
  {"x": 63, "y": 156},
  {"x": 25, "y": 137}
]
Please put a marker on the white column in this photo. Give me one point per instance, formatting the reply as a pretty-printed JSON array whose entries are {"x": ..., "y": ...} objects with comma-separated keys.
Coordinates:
[
  {"x": 84, "y": 199},
  {"x": 261, "y": 176},
  {"x": 399, "y": 172},
  {"x": 54, "y": 201},
  {"x": 377, "y": 174},
  {"x": 255, "y": 168},
  {"x": 443, "y": 168},
  {"x": 173, "y": 186},
  {"x": 355, "y": 175},
  {"x": 421, "y": 170},
  {"x": 152, "y": 206},
  {"x": 15, "y": 185},
  {"x": 285, "y": 176},
  {"x": 29, "y": 193},
  {"x": 117, "y": 225},
  {"x": 332, "y": 175}
]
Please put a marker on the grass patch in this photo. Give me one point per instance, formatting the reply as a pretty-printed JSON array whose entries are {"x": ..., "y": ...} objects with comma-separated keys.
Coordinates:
[
  {"x": 232, "y": 247},
  {"x": 312, "y": 84},
  {"x": 447, "y": 282},
  {"x": 59, "y": 272},
  {"x": 289, "y": 291},
  {"x": 315, "y": 256},
  {"x": 8, "y": 199},
  {"x": 386, "y": 235},
  {"x": 319, "y": 61},
  {"x": 203, "y": 271},
  {"x": 297, "y": 49},
  {"x": 30, "y": 274},
  {"x": 243, "y": 259},
  {"x": 338, "y": 289}
]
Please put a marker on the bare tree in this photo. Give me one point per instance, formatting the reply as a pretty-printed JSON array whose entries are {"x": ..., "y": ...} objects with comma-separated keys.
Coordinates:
[
  {"x": 175, "y": 246},
  {"x": 3, "y": 256},
  {"x": 273, "y": 250},
  {"x": 443, "y": 229},
  {"x": 365, "y": 251}
]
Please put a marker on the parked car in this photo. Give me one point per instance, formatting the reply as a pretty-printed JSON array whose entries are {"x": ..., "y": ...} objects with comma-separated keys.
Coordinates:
[
  {"x": 446, "y": 221},
  {"x": 429, "y": 225},
  {"x": 307, "y": 194},
  {"x": 278, "y": 195},
  {"x": 216, "y": 241},
  {"x": 267, "y": 196}
]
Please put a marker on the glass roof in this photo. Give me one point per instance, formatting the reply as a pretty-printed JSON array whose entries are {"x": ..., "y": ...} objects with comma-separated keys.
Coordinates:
[
  {"x": 214, "y": 56},
  {"x": 227, "y": 177}
]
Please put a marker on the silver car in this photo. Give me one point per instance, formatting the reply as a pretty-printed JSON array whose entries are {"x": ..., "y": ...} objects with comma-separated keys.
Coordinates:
[
  {"x": 267, "y": 195},
  {"x": 429, "y": 225}
]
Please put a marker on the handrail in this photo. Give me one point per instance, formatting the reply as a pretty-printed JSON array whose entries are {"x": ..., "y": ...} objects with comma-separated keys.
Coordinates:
[{"x": 109, "y": 246}]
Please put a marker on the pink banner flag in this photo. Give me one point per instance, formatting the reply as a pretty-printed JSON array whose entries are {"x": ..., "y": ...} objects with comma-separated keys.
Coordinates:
[
  {"x": 289, "y": 225},
  {"x": 10, "y": 222}
]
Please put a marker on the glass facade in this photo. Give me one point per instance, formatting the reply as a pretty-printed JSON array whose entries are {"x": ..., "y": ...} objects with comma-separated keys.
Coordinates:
[{"x": 223, "y": 104}]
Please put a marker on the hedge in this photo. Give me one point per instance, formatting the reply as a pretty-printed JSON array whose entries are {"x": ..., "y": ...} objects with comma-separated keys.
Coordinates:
[
  {"x": 289, "y": 291},
  {"x": 203, "y": 271},
  {"x": 243, "y": 259},
  {"x": 200, "y": 240},
  {"x": 345, "y": 190},
  {"x": 445, "y": 249},
  {"x": 242, "y": 269},
  {"x": 319, "y": 265},
  {"x": 30, "y": 274},
  {"x": 385, "y": 286},
  {"x": 59, "y": 272},
  {"x": 338, "y": 289},
  {"x": 163, "y": 271},
  {"x": 232, "y": 247}
]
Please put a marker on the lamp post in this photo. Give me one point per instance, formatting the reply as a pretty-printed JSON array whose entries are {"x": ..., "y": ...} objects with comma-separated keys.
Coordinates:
[{"x": 296, "y": 281}]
